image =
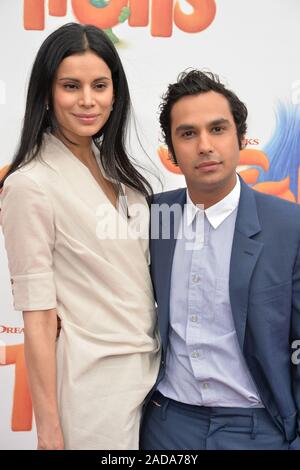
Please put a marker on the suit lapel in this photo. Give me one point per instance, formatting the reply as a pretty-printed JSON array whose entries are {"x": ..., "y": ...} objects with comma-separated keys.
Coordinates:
[
  {"x": 244, "y": 256},
  {"x": 165, "y": 254}
]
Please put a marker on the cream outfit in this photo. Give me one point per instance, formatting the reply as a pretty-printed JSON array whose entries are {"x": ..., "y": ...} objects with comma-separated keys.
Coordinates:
[{"x": 64, "y": 252}]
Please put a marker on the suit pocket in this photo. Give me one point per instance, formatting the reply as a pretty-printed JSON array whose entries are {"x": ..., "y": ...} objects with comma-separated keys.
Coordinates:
[
  {"x": 271, "y": 308},
  {"x": 278, "y": 292}
]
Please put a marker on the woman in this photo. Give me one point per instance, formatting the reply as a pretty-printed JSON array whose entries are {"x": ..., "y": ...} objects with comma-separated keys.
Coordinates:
[{"x": 70, "y": 182}]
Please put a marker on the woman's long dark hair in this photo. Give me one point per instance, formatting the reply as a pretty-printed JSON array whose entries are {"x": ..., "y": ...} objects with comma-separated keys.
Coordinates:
[{"x": 74, "y": 38}]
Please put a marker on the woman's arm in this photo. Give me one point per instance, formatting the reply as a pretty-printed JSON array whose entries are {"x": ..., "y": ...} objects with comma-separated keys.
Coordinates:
[
  {"x": 28, "y": 224},
  {"x": 40, "y": 331}
]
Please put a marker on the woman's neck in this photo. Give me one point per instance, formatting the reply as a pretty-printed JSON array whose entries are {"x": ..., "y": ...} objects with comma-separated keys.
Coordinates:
[{"x": 81, "y": 147}]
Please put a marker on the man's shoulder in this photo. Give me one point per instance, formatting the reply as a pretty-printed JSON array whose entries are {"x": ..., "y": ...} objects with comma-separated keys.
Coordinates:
[
  {"x": 275, "y": 203},
  {"x": 168, "y": 197},
  {"x": 280, "y": 213}
]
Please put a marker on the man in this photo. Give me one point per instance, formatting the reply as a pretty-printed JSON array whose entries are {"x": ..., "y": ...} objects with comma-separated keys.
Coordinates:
[{"x": 229, "y": 307}]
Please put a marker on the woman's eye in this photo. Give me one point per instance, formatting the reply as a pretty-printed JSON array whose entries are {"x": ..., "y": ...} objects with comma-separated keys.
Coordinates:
[
  {"x": 100, "y": 86},
  {"x": 70, "y": 86}
]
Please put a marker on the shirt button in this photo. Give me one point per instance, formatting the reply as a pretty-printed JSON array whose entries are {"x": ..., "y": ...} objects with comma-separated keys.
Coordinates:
[
  {"x": 205, "y": 386},
  {"x": 194, "y": 318},
  {"x": 195, "y": 278},
  {"x": 195, "y": 354}
]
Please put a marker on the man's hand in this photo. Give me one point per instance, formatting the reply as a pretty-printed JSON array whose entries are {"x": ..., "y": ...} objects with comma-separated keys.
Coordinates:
[{"x": 58, "y": 327}]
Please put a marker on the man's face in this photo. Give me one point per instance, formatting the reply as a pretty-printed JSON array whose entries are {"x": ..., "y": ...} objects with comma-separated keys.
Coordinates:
[{"x": 205, "y": 141}]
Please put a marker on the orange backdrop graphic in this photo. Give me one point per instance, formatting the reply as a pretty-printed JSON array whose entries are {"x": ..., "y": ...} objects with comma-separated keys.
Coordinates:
[
  {"x": 13, "y": 355},
  {"x": 106, "y": 14}
]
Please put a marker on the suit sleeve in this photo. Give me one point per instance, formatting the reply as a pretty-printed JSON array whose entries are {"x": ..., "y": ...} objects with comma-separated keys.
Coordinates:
[
  {"x": 295, "y": 334},
  {"x": 28, "y": 227}
]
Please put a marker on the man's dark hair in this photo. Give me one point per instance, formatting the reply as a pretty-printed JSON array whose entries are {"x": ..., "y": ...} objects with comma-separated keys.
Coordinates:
[{"x": 194, "y": 82}]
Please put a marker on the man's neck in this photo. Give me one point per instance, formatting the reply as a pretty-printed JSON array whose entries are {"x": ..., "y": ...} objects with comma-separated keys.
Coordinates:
[{"x": 209, "y": 196}]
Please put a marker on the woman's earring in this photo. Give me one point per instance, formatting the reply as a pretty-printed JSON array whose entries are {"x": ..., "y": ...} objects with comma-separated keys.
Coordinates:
[{"x": 47, "y": 107}]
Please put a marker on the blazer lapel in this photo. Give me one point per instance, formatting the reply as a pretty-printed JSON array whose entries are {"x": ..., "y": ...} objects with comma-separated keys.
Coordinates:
[
  {"x": 165, "y": 252},
  {"x": 244, "y": 256}
]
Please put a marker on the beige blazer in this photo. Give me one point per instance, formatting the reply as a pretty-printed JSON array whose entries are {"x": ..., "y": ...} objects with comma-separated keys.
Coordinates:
[{"x": 69, "y": 248}]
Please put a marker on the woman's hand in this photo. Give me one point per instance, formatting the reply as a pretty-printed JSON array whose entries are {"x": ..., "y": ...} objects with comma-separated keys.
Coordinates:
[
  {"x": 50, "y": 438},
  {"x": 40, "y": 333}
]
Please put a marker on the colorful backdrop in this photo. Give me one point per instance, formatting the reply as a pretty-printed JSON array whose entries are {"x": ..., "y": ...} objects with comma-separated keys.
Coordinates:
[{"x": 251, "y": 44}]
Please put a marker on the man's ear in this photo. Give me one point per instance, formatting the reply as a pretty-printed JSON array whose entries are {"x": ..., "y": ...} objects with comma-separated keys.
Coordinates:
[
  {"x": 172, "y": 157},
  {"x": 243, "y": 143}
]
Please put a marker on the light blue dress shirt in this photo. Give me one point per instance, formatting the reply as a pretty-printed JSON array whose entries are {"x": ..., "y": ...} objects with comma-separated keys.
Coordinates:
[{"x": 204, "y": 364}]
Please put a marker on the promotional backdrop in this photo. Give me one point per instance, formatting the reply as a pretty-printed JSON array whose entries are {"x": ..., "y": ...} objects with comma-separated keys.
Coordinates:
[{"x": 251, "y": 44}]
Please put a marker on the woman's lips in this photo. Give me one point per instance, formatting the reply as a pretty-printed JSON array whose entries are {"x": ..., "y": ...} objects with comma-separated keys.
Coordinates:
[{"x": 87, "y": 118}]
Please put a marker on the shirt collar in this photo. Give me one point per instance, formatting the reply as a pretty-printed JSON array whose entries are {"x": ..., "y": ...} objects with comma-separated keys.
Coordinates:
[{"x": 217, "y": 213}]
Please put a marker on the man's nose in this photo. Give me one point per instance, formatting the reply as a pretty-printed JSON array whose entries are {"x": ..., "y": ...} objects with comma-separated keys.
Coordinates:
[{"x": 204, "y": 144}]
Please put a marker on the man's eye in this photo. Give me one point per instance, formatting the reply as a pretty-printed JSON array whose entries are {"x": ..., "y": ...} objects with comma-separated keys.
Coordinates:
[
  {"x": 188, "y": 134},
  {"x": 217, "y": 129}
]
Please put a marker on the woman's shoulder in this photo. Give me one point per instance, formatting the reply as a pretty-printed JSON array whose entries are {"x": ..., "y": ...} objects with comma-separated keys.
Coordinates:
[
  {"x": 37, "y": 171},
  {"x": 21, "y": 193},
  {"x": 31, "y": 174},
  {"x": 36, "y": 174},
  {"x": 21, "y": 185}
]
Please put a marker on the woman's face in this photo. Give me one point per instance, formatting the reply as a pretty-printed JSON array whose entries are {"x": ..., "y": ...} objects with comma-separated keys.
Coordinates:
[{"x": 83, "y": 95}]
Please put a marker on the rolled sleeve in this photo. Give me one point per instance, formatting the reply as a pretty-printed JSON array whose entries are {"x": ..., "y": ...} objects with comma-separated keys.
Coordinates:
[{"x": 28, "y": 226}]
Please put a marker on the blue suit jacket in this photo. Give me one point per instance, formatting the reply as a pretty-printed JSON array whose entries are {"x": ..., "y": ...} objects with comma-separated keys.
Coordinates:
[{"x": 264, "y": 288}]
